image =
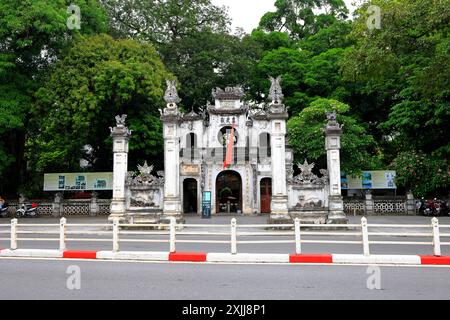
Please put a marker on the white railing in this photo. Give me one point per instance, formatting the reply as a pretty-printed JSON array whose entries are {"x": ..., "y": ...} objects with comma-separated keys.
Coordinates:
[{"x": 233, "y": 233}]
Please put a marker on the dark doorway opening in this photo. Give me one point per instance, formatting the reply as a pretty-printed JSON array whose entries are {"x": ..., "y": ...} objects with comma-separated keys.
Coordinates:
[
  {"x": 266, "y": 194},
  {"x": 190, "y": 196},
  {"x": 229, "y": 192}
]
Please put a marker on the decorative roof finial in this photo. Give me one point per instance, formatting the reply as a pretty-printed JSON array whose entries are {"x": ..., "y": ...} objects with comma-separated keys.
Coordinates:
[
  {"x": 120, "y": 120},
  {"x": 171, "y": 95},
  {"x": 276, "y": 93}
]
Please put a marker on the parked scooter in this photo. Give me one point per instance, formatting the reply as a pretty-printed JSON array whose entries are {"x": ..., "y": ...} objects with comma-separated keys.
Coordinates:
[
  {"x": 28, "y": 210},
  {"x": 441, "y": 208},
  {"x": 433, "y": 207},
  {"x": 4, "y": 211}
]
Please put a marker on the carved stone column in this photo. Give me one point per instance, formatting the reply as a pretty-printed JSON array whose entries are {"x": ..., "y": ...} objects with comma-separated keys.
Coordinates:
[
  {"x": 278, "y": 115},
  {"x": 333, "y": 132},
  {"x": 171, "y": 118},
  {"x": 121, "y": 136}
]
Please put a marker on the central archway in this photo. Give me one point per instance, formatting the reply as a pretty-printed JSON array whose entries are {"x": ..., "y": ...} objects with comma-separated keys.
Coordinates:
[{"x": 229, "y": 192}]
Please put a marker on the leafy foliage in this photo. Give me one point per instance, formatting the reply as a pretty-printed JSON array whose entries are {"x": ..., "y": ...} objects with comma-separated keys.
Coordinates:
[
  {"x": 33, "y": 34},
  {"x": 300, "y": 18},
  {"x": 422, "y": 174},
  {"x": 306, "y": 137},
  {"x": 99, "y": 78}
]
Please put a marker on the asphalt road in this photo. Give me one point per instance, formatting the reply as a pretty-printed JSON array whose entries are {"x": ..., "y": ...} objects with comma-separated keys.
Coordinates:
[{"x": 47, "y": 280}]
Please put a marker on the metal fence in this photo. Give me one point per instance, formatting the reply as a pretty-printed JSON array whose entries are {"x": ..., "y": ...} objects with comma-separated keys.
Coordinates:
[
  {"x": 67, "y": 207},
  {"x": 232, "y": 234}
]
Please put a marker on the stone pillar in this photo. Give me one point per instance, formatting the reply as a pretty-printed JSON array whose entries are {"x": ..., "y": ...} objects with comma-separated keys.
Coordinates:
[
  {"x": 121, "y": 136},
  {"x": 171, "y": 118},
  {"x": 57, "y": 208},
  {"x": 333, "y": 132},
  {"x": 410, "y": 203},
  {"x": 95, "y": 208},
  {"x": 278, "y": 116},
  {"x": 369, "y": 207}
]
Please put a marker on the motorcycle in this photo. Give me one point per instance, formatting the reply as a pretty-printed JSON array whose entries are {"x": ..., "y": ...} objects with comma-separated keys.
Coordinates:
[
  {"x": 441, "y": 208},
  {"x": 433, "y": 208},
  {"x": 425, "y": 208},
  {"x": 4, "y": 211},
  {"x": 28, "y": 210}
]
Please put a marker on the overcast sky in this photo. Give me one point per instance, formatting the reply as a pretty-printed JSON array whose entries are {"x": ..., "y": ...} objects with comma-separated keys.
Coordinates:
[{"x": 247, "y": 13}]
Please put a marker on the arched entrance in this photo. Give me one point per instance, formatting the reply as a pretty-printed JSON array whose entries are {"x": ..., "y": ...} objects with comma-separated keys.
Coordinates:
[
  {"x": 190, "y": 196},
  {"x": 265, "y": 194},
  {"x": 229, "y": 192}
]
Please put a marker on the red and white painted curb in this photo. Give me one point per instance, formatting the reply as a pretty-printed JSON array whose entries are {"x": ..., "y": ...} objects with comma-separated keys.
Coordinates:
[{"x": 231, "y": 258}]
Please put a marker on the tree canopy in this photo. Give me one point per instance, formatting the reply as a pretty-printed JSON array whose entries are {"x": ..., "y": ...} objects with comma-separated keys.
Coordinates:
[
  {"x": 99, "y": 78},
  {"x": 60, "y": 89},
  {"x": 307, "y": 139}
]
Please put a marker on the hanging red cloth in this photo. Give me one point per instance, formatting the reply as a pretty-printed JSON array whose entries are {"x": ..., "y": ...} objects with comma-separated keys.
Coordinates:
[{"x": 229, "y": 155}]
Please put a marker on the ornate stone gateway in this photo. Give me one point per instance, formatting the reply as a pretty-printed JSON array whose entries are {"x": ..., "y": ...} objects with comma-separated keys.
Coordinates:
[{"x": 252, "y": 142}]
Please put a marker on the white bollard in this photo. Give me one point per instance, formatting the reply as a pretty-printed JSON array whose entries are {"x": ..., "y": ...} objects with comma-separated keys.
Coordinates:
[
  {"x": 116, "y": 222},
  {"x": 365, "y": 236},
  {"x": 233, "y": 236},
  {"x": 298, "y": 241},
  {"x": 173, "y": 229},
  {"x": 436, "y": 237},
  {"x": 13, "y": 234},
  {"x": 62, "y": 234}
]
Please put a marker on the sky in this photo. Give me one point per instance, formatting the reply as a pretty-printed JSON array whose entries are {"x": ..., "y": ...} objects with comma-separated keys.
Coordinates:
[{"x": 247, "y": 13}]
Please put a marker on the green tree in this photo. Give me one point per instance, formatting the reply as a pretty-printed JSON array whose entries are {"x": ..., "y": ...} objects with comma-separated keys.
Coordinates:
[
  {"x": 193, "y": 40},
  {"x": 301, "y": 18},
  {"x": 406, "y": 66},
  {"x": 422, "y": 174},
  {"x": 99, "y": 78},
  {"x": 206, "y": 60},
  {"x": 306, "y": 137},
  {"x": 33, "y": 34},
  {"x": 163, "y": 21}
]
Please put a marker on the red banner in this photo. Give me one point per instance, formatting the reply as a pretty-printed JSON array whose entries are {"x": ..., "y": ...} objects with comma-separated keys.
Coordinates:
[{"x": 229, "y": 155}]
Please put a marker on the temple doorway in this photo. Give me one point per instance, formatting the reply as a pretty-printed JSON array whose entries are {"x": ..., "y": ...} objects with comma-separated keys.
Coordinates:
[
  {"x": 229, "y": 192},
  {"x": 190, "y": 196},
  {"x": 266, "y": 194}
]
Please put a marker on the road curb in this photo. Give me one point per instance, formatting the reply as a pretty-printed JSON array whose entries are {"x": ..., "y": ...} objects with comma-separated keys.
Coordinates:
[
  {"x": 376, "y": 259},
  {"x": 433, "y": 260},
  {"x": 31, "y": 253},
  {"x": 248, "y": 258},
  {"x": 80, "y": 255},
  {"x": 311, "y": 258},
  {"x": 335, "y": 259}
]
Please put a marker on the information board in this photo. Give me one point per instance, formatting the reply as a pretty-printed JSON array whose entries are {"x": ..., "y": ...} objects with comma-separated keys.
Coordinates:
[
  {"x": 92, "y": 181},
  {"x": 369, "y": 180}
]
